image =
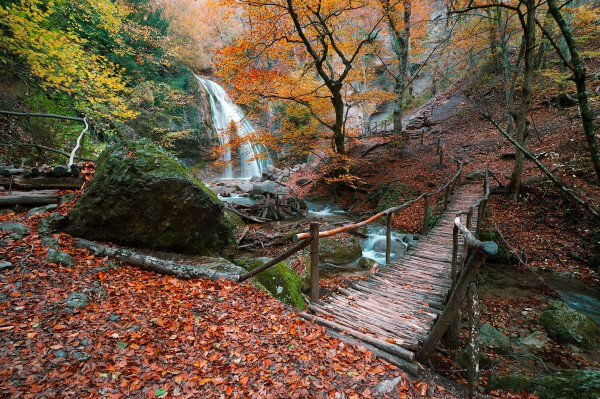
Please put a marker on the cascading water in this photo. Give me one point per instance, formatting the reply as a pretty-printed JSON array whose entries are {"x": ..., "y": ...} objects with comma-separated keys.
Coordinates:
[{"x": 223, "y": 112}]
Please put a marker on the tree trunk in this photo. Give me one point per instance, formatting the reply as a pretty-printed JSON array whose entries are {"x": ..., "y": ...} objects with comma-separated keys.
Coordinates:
[
  {"x": 400, "y": 45},
  {"x": 522, "y": 122},
  {"x": 579, "y": 77},
  {"x": 338, "y": 133}
]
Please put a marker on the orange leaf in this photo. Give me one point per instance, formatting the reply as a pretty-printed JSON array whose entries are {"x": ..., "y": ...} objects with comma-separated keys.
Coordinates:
[
  {"x": 204, "y": 381},
  {"x": 60, "y": 327}
]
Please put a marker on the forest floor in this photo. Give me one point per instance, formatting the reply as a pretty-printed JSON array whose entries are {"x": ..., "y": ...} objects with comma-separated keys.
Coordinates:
[
  {"x": 146, "y": 335},
  {"x": 548, "y": 243}
]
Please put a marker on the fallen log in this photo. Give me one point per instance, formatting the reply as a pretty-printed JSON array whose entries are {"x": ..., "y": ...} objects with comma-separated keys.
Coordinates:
[
  {"x": 244, "y": 216},
  {"x": 376, "y": 342},
  {"x": 182, "y": 271},
  {"x": 28, "y": 200},
  {"x": 411, "y": 367},
  {"x": 33, "y": 183}
]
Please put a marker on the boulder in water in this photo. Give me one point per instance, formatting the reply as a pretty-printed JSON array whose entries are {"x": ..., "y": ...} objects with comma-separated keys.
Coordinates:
[
  {"x": 141, "y": 196},
  {"x": 339, "y": 250}
]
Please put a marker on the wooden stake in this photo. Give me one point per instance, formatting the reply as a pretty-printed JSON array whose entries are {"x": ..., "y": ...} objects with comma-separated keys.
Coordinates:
[
  {"x": 314, "y": 262},
  {"x": 388, "y": 240},
  {"x": 453, "y": 332},
  {"x": 474, "y": 325},
  {"x": 482, "y": 249},
  {"x": 446, "y": 195},
  {"x": 425, "y": 226}
]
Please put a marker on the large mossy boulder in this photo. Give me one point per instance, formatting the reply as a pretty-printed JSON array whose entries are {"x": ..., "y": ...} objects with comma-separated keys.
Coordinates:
[
  {"x": 141, "y": 196},
  {"x": 339, "y": 250},
  {"x": 567, "y": 325},
  {"x": 567, "y": 384},
  {"x": 281, "y": 281}
]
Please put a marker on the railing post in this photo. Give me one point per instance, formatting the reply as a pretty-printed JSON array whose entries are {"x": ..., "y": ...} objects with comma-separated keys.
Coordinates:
[
  {"x": 453, "y": 332},
  {"x": 469, "y": 218},
  {"x": 456, "y": 298},
  {"x": 437, "y": 148},
  {"x": 422, "y": 134},
  {"x": 480, "y": 216},
  {"x": 446, "y": 195},
  {"x": 314, "y": 262},
  {"x": 441, "y": 154},
  {"x": 425, "y": 226},
  {"x": 388, "y": 240},
  {"x": 474, "y": 325}
]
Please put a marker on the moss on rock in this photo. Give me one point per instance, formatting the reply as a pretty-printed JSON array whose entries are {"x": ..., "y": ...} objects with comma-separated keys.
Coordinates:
[
  {"x": 339, "y": 250},
  {"x": 281, "y": 281},
  {"x": 565, "y": 324},
  {"x": 567, "y": 384},
  {"x": 141, "y": 196}
]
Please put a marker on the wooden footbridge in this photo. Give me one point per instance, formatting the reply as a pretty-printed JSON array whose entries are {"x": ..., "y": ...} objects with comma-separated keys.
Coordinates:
[{"x": 402, "y": 312}]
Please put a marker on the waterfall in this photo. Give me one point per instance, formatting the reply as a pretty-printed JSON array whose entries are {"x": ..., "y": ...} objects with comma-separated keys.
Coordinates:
[{"x": 223, "y": 112}]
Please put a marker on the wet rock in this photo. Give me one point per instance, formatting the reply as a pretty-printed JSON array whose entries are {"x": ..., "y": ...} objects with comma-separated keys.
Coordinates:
[
  {"x": 51, "y": 223},
  {"x": 567, "y": 325},
  {"x": 264, "y": 188},
  {"x": 16, "y": 230},
  {"x": 339, "y": 250},
  {"x": 97, "y": 291},
  {"x": 397, "y": 247},
  {"x": 49, "y": 242},
  {"x": 5, "y": 265},
  {"x": 78, "y": 300},
  {"x": 245, "y": 187},
  {"x": 60, "y": 257},
  {"x": 492, "y": 337},
  {"x": 42, "y": 209},
  {"x": 66, "y": 198},
  {"x": 114, "y": 317},
  {"x": 149, "y": 200},
  {"x": 61, "y": 354},
  {"x": 80, "y": 356},
  {"x": 536, "y": 341},
  {"x": 281, "y": 281},
  {"x": 567, "y": 384},
  {"x": 366, "y": 263},
  {"x": 388, "y": 386},
  {"x": 302, "y": 182}
]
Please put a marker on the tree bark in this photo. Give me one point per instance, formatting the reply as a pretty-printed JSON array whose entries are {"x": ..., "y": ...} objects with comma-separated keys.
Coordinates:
[
  {"x": 59, "y": 183},
  {"x": 579, "y": 78},
  {"x": 528, "y": 24},
  {"x": 400, "y": 45},
  {"x": 183, "y": 271}
]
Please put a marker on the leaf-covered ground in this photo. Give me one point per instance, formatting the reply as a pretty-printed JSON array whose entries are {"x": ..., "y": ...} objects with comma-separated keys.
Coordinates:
[{"x": 146, "y": 335}]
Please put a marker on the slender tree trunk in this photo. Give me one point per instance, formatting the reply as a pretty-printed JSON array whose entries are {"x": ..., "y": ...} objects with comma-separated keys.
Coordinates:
[
  {"x": 540, "y": 57},
  {"x": 400, "y": 45},
  {"x": 522, "y": 122},
  {"x": 579, "y": 78},
  {"x": 338, "y": 127},
  {"x": 509, "y": 94}
]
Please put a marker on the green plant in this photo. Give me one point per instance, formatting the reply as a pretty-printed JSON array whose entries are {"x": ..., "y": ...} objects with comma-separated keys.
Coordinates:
[{"x": 392, "y": 194}]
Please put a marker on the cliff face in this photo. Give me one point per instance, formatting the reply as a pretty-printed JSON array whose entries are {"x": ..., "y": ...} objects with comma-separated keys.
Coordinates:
[{"x": 192, "y": 137}]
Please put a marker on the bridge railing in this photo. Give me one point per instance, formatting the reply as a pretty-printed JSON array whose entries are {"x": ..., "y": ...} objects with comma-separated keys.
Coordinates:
[
  {"x": 311, "y": 238},
  {"x": 463, "y": 273}
]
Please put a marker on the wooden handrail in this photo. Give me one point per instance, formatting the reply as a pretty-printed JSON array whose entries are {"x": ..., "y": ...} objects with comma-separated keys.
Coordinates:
[{"x": 389, "y": 211}]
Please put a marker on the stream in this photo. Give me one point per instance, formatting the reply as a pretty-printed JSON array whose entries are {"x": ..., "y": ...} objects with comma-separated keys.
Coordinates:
[{"x": 500, "y": 280}]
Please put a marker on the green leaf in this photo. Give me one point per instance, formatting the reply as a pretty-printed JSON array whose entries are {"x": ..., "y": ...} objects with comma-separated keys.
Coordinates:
[
  {"x": 160, "y": 392},
  {"x": 122, "y": 344}
]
